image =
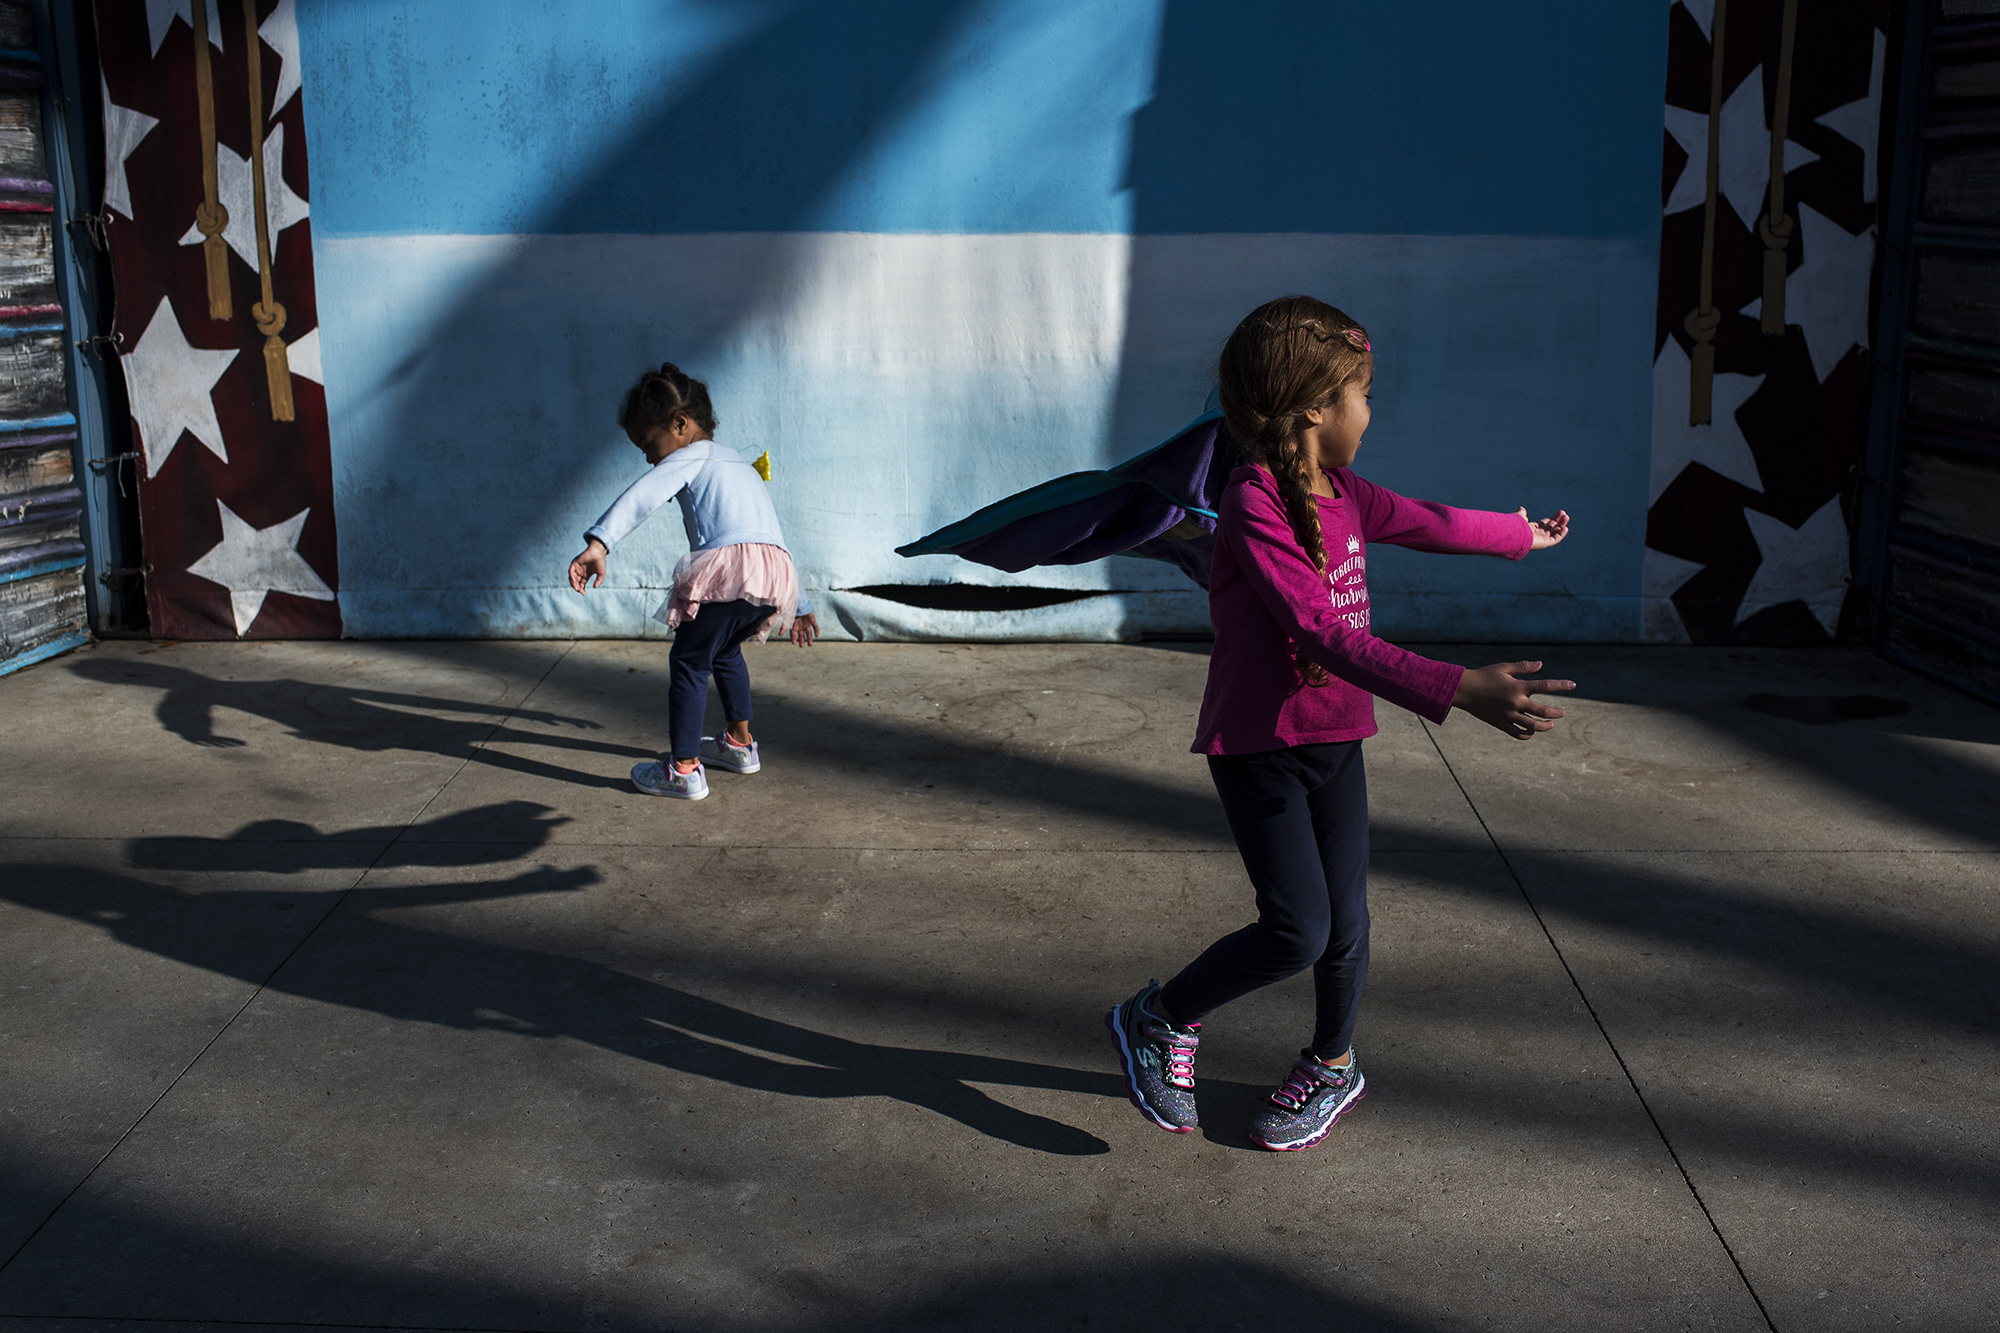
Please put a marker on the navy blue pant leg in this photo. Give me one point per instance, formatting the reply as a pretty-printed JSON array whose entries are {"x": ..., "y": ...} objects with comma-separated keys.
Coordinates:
[
  {"x": 1300, "y": 818},
  {"x": 709, "y": 644}
]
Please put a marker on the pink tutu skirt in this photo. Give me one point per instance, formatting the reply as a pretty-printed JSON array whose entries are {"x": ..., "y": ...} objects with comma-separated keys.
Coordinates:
[{"x": 749, "y": 572}]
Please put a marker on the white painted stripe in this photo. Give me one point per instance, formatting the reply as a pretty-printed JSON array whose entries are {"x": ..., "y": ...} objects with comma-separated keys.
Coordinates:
[{"x": 901, "y": 381}]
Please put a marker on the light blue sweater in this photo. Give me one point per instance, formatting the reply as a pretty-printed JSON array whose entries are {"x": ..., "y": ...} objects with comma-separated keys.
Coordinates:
[{"x": 723, "y": 502}]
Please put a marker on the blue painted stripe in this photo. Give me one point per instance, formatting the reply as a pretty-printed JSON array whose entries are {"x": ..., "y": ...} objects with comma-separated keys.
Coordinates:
[
  {"x": 20, "y": 53},
  {"x": 37, "y": 423},
  {"x": 43, "y": 567},
  {"x": 44, "y": 653},
  {"x": 13, "y": 330},
  {"x": 1158, "y": 117}
]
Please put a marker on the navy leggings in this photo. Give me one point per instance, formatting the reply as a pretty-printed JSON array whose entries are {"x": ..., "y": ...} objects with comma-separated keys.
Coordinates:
[
  {"x": 1300, "y": 817},
  {"x": 711, "y": 643}
]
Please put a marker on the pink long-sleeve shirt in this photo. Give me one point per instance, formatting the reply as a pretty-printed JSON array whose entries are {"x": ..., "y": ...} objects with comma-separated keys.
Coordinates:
[{"x": 1264, "y": 596}]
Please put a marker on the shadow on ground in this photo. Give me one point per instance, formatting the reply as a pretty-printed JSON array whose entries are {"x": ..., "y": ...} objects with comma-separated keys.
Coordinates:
[
  {"x": 255, "y": 1277},
  {"x": 402, "y": 972},
  {"x": 363, "y": 961}
]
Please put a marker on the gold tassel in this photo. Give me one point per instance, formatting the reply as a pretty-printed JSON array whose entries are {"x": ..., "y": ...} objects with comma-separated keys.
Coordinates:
[
  {"x": 1701, "y": 326},
  {"x": 763, "y": 465},
  {"x": 270, "y": 316},
  {"x": 1777, "y": 240},
  {"x": 277, "y": 362},
  {"x": 1705, "y": 319},
  {"x": 210, "y": 216},
  {"x": 1774, "y": 227}
]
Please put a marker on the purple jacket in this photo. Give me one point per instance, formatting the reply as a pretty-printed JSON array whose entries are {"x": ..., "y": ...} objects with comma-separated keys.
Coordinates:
[{"x": 1264, "y": 595}]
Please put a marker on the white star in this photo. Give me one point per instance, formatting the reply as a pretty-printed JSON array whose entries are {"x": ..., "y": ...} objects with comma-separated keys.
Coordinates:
[
  {"x": 1690, "y": 131},
  {"x": 169, "y": 383},
  {"x": 160, "y": 15},
  {"x": 1743, "y": 166},
  {"x": 123, "y": 128},
  {"x": 251, "y": 562},
  {"x": 1806, "y": 564},
  {"x": 281, "y": 33},
  {"x": 1827, "y": 295},
  {"x": 1703, "y": 13},
  {"x": 237, "y": 192},
  {"x": 1662, "y": 577},
  {"x": 1720, "y": 447},
  {"x": 303, "y": 354},
  {"x": 1859, "y": 121}
]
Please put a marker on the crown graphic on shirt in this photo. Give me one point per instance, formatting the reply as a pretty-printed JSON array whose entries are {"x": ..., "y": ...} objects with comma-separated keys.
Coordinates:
[{"x": 1353, "y": 544}]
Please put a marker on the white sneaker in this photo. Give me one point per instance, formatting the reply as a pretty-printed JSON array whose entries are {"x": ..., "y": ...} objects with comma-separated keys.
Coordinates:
[
  {"x": 727, "y": 755},
  {"x": 657, "y": 779}
]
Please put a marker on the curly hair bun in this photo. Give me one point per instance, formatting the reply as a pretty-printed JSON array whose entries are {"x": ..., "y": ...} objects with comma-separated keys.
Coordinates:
[{"x": 662, "y": 395}]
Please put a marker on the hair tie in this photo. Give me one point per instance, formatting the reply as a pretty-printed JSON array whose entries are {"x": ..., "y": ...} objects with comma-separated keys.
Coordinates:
[{"x": 1358, "y": 341}]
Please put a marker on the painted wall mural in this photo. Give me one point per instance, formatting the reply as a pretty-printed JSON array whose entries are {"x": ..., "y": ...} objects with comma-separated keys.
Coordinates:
[
  {"x": 1760, "y": 372},
  {"x": 206, "y": 197},
  {"x": 930, "y": 252}
]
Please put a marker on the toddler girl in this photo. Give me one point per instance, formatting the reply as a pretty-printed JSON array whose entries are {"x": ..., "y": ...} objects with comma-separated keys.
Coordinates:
[
  {"x": 735, "y": 583},
  {"x": 1289, "y": 700}
]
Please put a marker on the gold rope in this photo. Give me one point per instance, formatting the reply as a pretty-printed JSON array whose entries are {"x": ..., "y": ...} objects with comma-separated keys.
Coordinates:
[
  {"x": 1775, "y": 227},
  {"x": 1705, "y": 319},
  {"x": 211, "y": 217},
  {"x": 270, "y": 316}
]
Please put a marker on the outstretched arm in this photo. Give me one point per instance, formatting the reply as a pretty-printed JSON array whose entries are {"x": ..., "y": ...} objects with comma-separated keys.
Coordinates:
[
  {"x": 1496, "y": 696},
  {"x": 1547, "y": 531}
]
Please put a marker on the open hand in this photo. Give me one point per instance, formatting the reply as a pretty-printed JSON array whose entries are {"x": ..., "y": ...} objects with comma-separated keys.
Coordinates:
[
  {"x": 587, "y": 570},
  {"x": 1548, "y": 531},
  {"x": 805, "y": 629},
  {"x": 1495, "y": 696}
]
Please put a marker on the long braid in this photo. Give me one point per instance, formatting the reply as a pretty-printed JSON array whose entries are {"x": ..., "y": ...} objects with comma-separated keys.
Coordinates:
[
  {"x": 1286, "y": 357},
  {"x": 1290, "y": 471}
]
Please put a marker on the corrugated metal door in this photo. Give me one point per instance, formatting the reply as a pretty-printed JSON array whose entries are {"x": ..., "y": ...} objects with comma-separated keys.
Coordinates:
[
  {"x": 1935, "y": 461},
  {"x": 42, "y": 603}
]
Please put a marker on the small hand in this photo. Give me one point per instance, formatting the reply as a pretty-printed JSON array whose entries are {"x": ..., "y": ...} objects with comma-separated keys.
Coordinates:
[
  {"x": 805, "y": 629},
  {"x": 1496, "y": 697},
  {"x": 587, "y": 570},
  {"x": 1548, "y": 531}
]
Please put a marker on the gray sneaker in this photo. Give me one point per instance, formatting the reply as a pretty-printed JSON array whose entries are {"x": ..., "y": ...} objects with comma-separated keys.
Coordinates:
[
  {"x": 657, "y": 779},
  {"x": 727, "y": 755},
  {"x": 1158, "y": 1059},
  {"x": 1303, "y": 1109}
]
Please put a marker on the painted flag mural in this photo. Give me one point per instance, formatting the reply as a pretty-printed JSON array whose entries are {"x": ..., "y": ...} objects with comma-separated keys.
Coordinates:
[
  {"x": 929, "y": 254},
  {"x": 207, "y": 206},
  {"x": 1771, "y": 194}
]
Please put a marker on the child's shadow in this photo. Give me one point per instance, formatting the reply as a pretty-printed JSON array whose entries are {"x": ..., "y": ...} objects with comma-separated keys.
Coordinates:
[
  {"x": 361, "y": 958},
  {"x": 357, "y": 718}
]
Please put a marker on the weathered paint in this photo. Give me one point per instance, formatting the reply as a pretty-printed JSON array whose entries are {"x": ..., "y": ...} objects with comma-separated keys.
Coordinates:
[{"x": 930, "y": 253}]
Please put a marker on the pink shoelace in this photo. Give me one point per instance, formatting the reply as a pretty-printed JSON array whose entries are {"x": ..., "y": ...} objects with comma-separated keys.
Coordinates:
[
  {"x": 1179, "y": 1044},
  {"x": 1180, "y": 1066},
  {"x": 1300, "y": 1086}
]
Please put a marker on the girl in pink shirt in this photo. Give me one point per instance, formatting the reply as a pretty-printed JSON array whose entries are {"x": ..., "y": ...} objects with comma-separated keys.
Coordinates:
[{"x": 1291, "y": 688}]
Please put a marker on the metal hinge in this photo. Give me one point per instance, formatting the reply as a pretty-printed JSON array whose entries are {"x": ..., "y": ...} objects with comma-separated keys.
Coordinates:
[
  {"x": 96, "y": 227},
  {"x": 119, "y": 573},
  {"x": 96, "y": 344},
  {"x": 103, "y": 465}
]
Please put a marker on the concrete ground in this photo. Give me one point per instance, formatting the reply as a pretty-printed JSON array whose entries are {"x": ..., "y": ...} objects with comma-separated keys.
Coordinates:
[{"x": 350, "y": 985}]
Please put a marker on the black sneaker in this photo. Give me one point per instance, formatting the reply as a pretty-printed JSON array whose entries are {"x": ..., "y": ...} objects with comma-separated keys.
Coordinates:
[
  {"x": 1304, "y": 1107},
  {"x": 1158, "y": 1059}
]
